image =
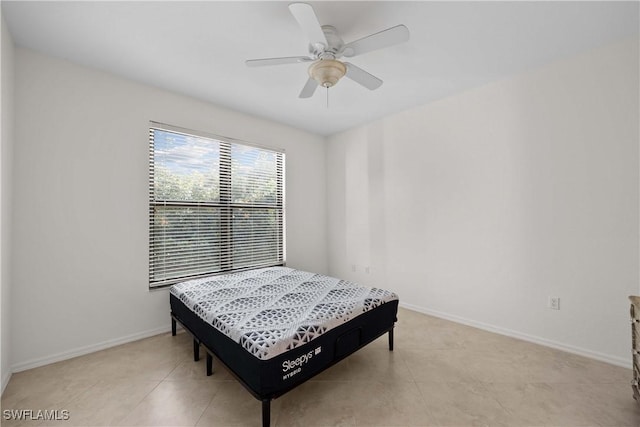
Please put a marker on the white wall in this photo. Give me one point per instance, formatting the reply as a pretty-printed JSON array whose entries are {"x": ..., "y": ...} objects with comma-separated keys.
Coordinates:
[
  {"x": 6, "y": 153},
  {"x": 479, "y": 206},
  {"x": 81, "y": 203}
]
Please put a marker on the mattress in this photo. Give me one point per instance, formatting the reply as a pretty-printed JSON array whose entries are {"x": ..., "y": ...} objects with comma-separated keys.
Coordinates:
[
  {"x": 275, "y": 328},
  {"x": 271, "y": 311}
]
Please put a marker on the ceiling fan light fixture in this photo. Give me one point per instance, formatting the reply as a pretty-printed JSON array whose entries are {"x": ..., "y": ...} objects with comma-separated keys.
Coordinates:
[{"x": 327, "y": 72}]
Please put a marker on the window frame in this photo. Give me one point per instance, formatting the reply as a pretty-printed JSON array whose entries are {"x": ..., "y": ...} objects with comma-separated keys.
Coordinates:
[{"x": 225, "y": 203}]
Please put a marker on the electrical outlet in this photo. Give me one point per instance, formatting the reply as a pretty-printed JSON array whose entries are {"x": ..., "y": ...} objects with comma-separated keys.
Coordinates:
[{"x": 554, "y": 303}]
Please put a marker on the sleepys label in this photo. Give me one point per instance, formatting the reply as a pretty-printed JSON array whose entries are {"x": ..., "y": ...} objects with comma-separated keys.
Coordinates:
[{"x": 297, "y": 363}]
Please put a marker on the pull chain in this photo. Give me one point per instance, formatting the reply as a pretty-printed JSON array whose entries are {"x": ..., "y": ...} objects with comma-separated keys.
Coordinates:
[{"x": 327, "y": 97}]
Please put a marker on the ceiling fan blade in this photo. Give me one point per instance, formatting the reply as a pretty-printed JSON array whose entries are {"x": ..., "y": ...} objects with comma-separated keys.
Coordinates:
[
  {"x": 382, "y": 39},
  {"x": 309, "y": 88},
  {"x": 277, "y": 61},
  {"x": 360, "y": 76},
  {"x": 308, "y": 20}
]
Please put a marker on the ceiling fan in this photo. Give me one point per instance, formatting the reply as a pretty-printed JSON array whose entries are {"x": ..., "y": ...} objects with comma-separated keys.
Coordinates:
[{"x": 326, "y": 47}]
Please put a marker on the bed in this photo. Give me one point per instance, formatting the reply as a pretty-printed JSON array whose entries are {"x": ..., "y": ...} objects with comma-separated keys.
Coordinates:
[{"x": 274, "y": 328}]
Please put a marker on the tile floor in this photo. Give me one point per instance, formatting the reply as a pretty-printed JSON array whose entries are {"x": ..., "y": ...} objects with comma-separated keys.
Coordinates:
[{"x": 440, "y": 374}]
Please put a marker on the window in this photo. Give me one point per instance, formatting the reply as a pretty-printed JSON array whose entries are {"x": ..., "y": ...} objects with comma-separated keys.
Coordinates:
[{"x": 215, "y": 205}]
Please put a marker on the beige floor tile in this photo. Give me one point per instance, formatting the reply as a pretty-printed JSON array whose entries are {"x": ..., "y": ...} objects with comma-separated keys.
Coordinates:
[
  {"x": 389, "y": 404},
  {"x": 437, "y": 366},
  {"x": 612, "y": 405},
  {"x": 107, "y": 402},
  {"x": 568, "y": 404},
  {"x": 532, "y": 404},
  {"x": 572, "y": 405},
  {"x": 496, "y": 366},
  {"x": 189, "y": 370},
  {"x": 463, "y": 404},
  {"x": 233, "y": 405},
  {"x": 42, "y": 392},
  {"x": 318, "y": 403},
  {"x": 593, "y": 371},
  {"x": 198, "y": 371},
  {"x": 79, "y": 368},
  {"x": 415, "y": 330},
  {"x": 412, "y": 332},
  {"x": 608, "y": 404},
  {"x": 555, "y": 366},
  {"x": 147, "y": 368},
  {"x": 149, "y": 359},
  {"x": 173, "y": 403}
]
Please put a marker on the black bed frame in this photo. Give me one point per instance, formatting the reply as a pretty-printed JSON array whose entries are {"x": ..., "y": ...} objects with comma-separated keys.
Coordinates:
[{"x": 266, "y": 398}]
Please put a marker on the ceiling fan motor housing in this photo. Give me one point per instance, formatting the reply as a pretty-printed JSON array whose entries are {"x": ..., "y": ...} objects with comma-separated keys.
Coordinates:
[{"x": 334, "y": 45}]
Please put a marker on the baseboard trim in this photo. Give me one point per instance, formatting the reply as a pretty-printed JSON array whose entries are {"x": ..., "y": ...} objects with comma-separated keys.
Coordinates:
[
  {"x": 5, "y": 380},
  {"x": 81, "y": 351},
  {"x": 613, "y": 360}
]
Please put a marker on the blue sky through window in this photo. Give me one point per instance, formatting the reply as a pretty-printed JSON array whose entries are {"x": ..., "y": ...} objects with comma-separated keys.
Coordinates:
[{"x": 184, "y": 155}]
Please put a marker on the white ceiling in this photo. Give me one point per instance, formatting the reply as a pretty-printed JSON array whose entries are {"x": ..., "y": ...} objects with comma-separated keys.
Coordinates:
[{"x": 199, "y": 48}]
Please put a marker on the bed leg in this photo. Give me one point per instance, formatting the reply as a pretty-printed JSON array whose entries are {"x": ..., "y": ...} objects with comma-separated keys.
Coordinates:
[
  {"x": 391, "y": 339},
  {"x": 209, "y": 364},
  {"x": 266, "y": 412},
  {"x": 196, "y": 350},
  {"x": 173, "y": 327}
]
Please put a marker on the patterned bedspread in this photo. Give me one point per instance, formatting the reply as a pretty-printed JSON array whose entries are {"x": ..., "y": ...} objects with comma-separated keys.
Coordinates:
[{"x": 272, "y": 310}]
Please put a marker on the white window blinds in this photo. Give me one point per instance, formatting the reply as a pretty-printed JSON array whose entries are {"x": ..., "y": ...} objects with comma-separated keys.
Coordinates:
[{"x": 214, "y": 205}]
